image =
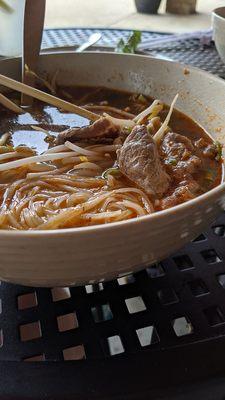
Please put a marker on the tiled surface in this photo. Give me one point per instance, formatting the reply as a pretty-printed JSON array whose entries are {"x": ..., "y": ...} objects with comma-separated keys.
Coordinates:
[
  {"x": 199, "y": 53},
  {"x": 122, "y": 14}
]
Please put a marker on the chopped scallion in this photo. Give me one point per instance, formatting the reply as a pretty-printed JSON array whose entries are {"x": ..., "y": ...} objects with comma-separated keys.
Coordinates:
[
  {"x": 83, "y": 158},
  {"x": 141, "y": 99},
  {"x": 171, "y": 161},
  {"x": 210, "y": 175},
  {"x": 111, "y": 171},
  {"x": 219, "y": 148}
]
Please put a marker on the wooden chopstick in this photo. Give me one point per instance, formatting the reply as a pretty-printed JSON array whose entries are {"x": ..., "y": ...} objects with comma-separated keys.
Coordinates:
[
  {"x": 34, "y": 15},
  {"x": 10, "y": 105},
  {"x": 165, "y": 39},
  {"x": 47, "y": 98}
]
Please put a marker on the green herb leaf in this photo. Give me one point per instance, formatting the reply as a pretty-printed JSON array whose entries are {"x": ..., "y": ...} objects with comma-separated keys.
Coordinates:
[
  {"x": 210, "y": 175},
  {"x": 130, "y": 46},
  {"x": 141, "y": 99},
  {"x": 171, "y": 161},
  {"x": 219, "y": 148},
  {"x": 128, "y": 129},
  {"x": 111, "y": 171}
]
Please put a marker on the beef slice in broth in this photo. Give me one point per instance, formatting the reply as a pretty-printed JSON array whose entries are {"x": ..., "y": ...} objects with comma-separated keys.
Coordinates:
[
  {"x": 101, "y": 128},
  {"x": 139, "y": 160}
]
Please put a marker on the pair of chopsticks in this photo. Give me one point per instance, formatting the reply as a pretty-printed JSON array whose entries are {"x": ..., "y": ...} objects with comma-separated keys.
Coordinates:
[
  {"x": 164, "y": 40},
  {"x": 47, "y": 98}
]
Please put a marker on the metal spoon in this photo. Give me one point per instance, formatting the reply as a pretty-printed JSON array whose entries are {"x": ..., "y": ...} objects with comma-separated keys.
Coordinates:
[{"x": 94, "y": 38}]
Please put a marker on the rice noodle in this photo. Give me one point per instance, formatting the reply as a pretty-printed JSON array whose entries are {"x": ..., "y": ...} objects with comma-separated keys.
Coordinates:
[
  {"x": 71, "y": 205},
  {"x": 124, "y": 215},
  {"x": 77, "y": 198},
  {"x": 13, "y": 221},
  {"x": 138, "y": 191},
  {"x": 69, "y": 214},
  {"x": 134, "y": 206},
  {"x": 63, "y": 188},
  {"x": 107, "y": 202},
  {"x": 102, "y": 215}
]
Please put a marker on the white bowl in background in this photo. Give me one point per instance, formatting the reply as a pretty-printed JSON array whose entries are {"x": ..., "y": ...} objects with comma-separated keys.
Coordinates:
[{"x": 218, "y": 22}]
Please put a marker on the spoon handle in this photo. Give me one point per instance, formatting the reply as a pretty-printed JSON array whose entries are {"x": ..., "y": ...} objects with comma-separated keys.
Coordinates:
[
  {"x": 32, "y": 35},
  {"x": 94, "y": 38},
  {"x": 83, "y": 47}
]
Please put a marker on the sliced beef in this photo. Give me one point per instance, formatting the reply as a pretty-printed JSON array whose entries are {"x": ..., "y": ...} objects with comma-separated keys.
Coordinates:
[
  {"x": 208, "y": 150},
  {"x": 103, "y": 127},
  {"x": 139, "y": 160},
  {"x": 180, "y": 156},
  {"x": 187, "y": 190}
]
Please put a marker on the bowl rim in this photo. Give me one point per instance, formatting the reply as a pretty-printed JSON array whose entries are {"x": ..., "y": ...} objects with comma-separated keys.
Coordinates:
[
  {"x": 216, "y": 12},
  {"x": 137, "y": 220}
]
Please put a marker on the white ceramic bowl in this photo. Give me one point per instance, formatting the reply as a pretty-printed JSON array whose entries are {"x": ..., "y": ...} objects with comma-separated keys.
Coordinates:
[
  {"x": 97, "y": 253},
  {"x": 218, "y": 22}
]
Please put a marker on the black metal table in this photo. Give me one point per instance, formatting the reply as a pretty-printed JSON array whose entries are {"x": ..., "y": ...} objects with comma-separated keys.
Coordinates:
[
  {"x": 195, "y": 52},
  {"x": 157, "y": 334}
]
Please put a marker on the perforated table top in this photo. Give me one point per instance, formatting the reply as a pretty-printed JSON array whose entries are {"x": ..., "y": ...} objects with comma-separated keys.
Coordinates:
[
  {"x": 159, "y": 333},
  {"x": 198, "y": 53}
]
